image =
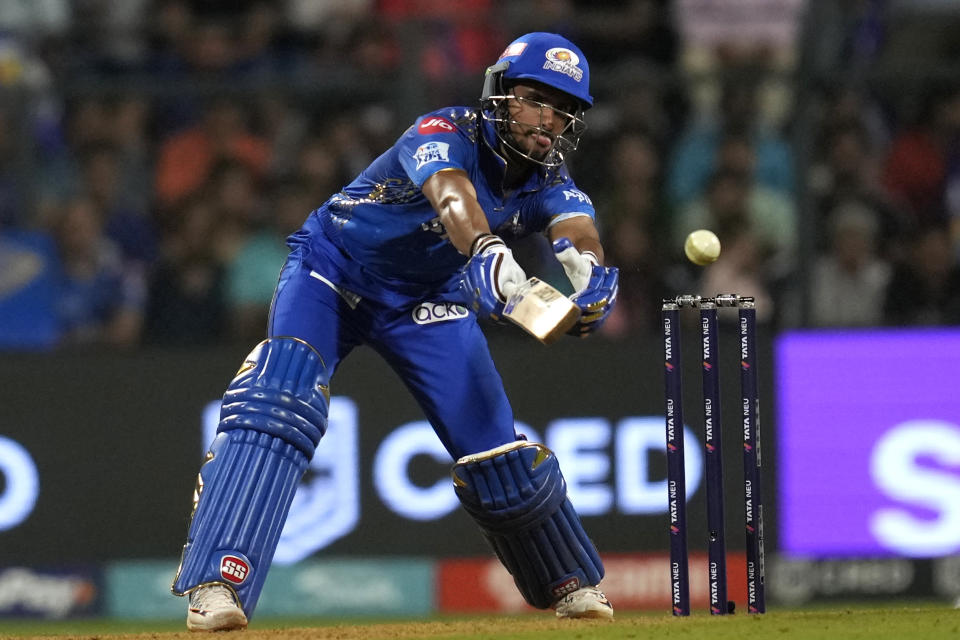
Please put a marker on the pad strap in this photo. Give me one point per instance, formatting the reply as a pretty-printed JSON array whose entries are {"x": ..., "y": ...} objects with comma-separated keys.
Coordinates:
[
  {"x": 518, "y": 496},
  {"x": 273, "y": 415}
]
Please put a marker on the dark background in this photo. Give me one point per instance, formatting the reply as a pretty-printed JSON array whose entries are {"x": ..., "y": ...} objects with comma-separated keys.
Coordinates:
[{"x": 116, "y": 439}]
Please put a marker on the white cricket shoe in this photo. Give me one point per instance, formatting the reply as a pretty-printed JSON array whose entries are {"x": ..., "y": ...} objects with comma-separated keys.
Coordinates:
[
  {"x": 214, "y": 608},
  {"x": 586, "y": 602}
]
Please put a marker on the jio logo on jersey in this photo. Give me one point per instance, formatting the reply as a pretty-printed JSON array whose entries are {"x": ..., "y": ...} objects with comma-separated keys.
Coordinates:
[
  {"x": 429, "y": 312},
  {"x": 435, "y": 125}
]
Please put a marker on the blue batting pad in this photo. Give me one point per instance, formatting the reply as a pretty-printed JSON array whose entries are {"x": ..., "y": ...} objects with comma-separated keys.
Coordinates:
[
  {"x": 518, "y": 496},
  {"x": 273, "y": 415}
]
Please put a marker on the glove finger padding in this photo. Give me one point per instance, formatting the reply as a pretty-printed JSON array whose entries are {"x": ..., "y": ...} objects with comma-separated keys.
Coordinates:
[
  {"x": 578, "y": 266},
  {"x": 596, "y": 300}
]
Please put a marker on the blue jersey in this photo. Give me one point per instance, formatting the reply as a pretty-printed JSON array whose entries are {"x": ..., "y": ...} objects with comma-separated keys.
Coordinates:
[{"x": 386, "y": 238}]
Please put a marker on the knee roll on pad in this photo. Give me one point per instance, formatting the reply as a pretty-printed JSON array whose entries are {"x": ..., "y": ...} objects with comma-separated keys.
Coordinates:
[
  {"x": 273, "y": 415},
  {"x": 281, "y": 389},
  {"x": 518, "y": 496}
]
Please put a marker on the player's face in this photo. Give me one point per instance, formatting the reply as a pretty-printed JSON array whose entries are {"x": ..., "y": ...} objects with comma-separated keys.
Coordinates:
[{"x": 538, "y": 114}]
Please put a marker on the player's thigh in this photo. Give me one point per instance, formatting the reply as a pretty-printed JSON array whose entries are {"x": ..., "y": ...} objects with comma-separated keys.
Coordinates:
[
  {"x": 446, "y": 364},
  {"x": 308, "y": 308}
]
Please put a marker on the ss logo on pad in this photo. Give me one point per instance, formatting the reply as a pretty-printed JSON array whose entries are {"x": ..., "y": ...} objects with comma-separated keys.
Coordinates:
[{"x": 234, "y": 569}]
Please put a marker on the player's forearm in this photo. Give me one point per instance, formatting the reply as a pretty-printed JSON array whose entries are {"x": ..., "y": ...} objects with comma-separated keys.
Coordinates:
[
  {"x": 582, "y": 233},
  {"x": 454, "y": 198},
  {"x": 464, "y": 221},
  {"x": 592, "y": 245}
]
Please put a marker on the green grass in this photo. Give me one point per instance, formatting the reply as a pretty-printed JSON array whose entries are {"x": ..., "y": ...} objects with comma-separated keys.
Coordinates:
[{"x": 893, "y": 622}]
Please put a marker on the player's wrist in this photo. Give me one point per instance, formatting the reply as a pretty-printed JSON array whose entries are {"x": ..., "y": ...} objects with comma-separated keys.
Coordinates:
[
  {"x": 591, "y": 257},
  {"x": 484, "y": 242}
]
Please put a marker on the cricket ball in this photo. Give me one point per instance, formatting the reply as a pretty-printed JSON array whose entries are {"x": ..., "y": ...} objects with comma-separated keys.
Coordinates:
[{"x": 702, "y": 247}]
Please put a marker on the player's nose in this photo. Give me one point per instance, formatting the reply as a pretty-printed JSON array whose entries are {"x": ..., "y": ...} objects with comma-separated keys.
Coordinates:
[{"x": 548, "y": 117}]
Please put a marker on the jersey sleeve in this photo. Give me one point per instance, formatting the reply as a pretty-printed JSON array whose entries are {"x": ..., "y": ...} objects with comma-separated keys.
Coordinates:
[
  {"x": 563, "y": 201},
  {"x": 432, "y": 144}
]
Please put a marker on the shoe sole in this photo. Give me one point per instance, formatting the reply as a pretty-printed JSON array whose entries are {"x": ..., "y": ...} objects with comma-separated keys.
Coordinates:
[
  {"x": 228, "y": 622},
  {"x": 592, "y": 614}
]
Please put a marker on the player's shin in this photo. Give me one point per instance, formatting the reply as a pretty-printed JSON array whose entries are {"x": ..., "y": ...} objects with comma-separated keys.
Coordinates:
[
  {"x": 273, "y": 415},
  {"x": 518, "y": 496}
]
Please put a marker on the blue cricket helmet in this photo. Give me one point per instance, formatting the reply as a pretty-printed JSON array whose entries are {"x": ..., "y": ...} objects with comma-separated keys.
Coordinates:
[
  {"x": 549, "y": 59},
  {"x": 544, "y": 57}
]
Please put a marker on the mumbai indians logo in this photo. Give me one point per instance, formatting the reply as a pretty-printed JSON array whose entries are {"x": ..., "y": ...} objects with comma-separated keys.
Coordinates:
[
  {"x": 564, "y": 61},
  {"x": 432, "y": 151}
]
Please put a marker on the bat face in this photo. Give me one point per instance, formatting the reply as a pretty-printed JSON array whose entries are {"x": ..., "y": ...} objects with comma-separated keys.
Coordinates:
[{"x": 541, "y": 310}]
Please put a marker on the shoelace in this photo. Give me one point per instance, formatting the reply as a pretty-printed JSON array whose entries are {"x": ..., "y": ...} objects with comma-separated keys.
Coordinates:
[{"x": 213, "y": 598}]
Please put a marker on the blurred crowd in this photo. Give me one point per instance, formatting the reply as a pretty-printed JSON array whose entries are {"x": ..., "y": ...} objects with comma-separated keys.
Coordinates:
[{"x": 154, "y": 155}]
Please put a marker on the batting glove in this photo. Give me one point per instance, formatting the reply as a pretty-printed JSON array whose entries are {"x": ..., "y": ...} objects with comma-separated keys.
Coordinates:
[
  {"x": 595, "y": 286},
  {"x": 490, "y": 275},
  {"x": 578, "y": 266}
]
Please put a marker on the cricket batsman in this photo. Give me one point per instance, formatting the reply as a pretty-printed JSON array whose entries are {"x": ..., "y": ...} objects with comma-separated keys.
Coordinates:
[{"x": 424, "y": 225}]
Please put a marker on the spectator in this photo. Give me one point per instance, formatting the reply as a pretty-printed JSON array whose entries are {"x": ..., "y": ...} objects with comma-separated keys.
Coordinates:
[
  {"x": 251, "y": 276},
  {"x": 848, "y": 172},
  {"x": 128, "y": 225},
  {"x": 925, "y": 286},
  {"x": 923, "y": 158},
  {"x": 735, "y": 204},
  {"x": 284, "y": 127},
  {"x": 553, "y": 16},
  {"x": 348, "y": 143},
  {"x": 115, "y": 123},
  {"x": 847, "y": 104},
  {"x": 131, "y": 118},
  {"x": 850, "y": 282},
  {"x": 100, "y": 299},
  {"x": 186, "y": 296},
  {"x": 236, "y": 198},
  {"x": 632, "y": 228},
  {"x": 259, "y": 50},
  {"x": 187, "y": 159},
  {"x": 326, "y": 19},
  {"x": 28, "y": 280},
  {"x": 169, "y": 25},
  {"x": 741, "y": 270},
  {"x": 84, "y": 122},
  {"x": 459, "y": 39},
  {"x": 615, "y": 31},
  {"x": 108, "y": 34},
  {"x": 695, "y": 155},
  {"x": 318, "y": 169},
  {"x": 200, "y": 41},
  {"x": 757, "y": 239}
]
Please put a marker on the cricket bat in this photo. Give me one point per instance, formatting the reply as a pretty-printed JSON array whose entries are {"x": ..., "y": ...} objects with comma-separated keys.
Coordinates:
[{"x": 541, "y": 310}]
